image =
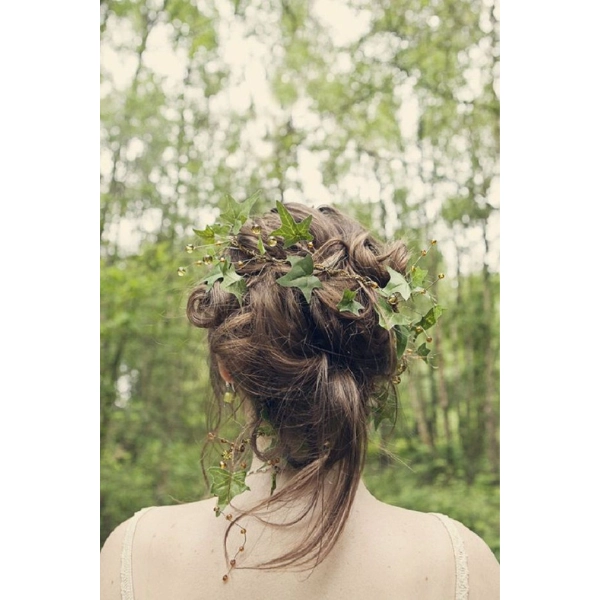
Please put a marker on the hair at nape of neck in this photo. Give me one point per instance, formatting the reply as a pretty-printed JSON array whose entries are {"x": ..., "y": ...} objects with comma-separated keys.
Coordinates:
[{"x": 313, "y": 321}]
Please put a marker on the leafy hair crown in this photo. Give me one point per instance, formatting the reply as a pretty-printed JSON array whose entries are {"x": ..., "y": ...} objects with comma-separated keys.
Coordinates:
[{"x": 404, "y": 306}]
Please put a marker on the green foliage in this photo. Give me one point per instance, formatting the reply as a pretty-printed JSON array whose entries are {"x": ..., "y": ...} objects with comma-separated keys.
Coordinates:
[
  {"x": 385, "y": 408},
  {"x": 301, "y": 276},
  {"x": 397, "y": 285},
  {"x": 235, "y": 213},
  {"x": 290, "y": 231},
  {"x": 226, "y": 485},
  {"x": 231, "y": 282},
  {"x": 388, "y": 318},
  {"x": 431, "y": 318},
  {"x": 210, "y": 233},
  {"x": 349, "y": 304}
]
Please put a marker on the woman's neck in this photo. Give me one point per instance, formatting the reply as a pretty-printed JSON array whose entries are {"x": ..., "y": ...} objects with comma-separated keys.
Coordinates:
[{"x": 264, "y": 480}]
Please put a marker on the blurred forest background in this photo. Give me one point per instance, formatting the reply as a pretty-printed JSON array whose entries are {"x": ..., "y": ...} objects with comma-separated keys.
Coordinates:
[{"x": 388, "y": 109}]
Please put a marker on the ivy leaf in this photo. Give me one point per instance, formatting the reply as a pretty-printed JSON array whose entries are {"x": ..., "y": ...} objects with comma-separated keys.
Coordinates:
[
  {"x": 402, "y": 333},
  {"x": 226, "y": 485},
  {"x": 396, "y": 285},
  {"x": 232, "y": 282},
  {"x": 348, "y": 304},
  {"x": 430, "y": 319},
  {"x": 236, "y": 214},
  {"x": 423, "y": 351},
  {"x": 385, "y": 408},
  {"x": 387, "y": 317},
  {"x": 290, "y": 231},
  {"x": 301, "y": 276},
  {"x": 213, "y": 275},
  {"x": 209, "y": 234},
  {"x": 417, "y": 277}
]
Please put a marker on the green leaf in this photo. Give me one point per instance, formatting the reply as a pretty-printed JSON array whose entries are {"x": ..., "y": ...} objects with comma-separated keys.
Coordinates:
[
  {"x": 290, "y": 231},
  {"x": 402, "y": 333},
  {"x": 209, "y": 234},
  {"x": 226, "y": 485},
  {"x": 387, "y": 317},
  {"x": 213, "y": 275},
  {"x": 396, "y": 285},
  {"x": 235, "y": 213},
  {"x": 301, "y": 276},
  {"x": 385, "y": 409},
  {"x": 348, "y": 304},
  {"x": 423, "y": 351},
  {"x": 260, "y": 245},
  {"x": 417, "y": 276},
  {"x": 430, "y": 319},
  {"x": 232, "y": 282}
]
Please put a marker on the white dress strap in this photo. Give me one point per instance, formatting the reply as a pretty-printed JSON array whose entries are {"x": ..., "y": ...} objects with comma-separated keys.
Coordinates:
[
  {"x": 126, "y": 550},
  {"x": 460, "y": 558}
]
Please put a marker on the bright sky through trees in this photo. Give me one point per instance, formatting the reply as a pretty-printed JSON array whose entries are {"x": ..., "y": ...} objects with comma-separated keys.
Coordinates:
[{"x": 250, "y": 49}]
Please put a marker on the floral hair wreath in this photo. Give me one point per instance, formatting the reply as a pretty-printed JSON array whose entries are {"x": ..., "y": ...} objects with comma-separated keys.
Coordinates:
[{"x": 405, "y": 305}]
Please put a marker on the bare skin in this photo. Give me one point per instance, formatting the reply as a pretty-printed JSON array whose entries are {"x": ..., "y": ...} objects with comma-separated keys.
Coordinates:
[{"x": 384, "y": 552}]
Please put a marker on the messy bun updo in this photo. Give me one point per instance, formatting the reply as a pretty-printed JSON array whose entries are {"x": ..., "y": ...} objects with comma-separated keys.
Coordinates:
[{"x": 307, "y": 369}]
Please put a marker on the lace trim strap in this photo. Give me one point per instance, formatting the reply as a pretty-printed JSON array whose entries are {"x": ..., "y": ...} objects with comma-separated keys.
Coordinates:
[
  {"x": 126, "y": 551},
  {"x": 460, "y": 558}
]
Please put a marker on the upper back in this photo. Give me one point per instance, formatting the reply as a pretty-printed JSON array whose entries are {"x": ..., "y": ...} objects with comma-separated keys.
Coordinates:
[{"x": 384, "y": 552}]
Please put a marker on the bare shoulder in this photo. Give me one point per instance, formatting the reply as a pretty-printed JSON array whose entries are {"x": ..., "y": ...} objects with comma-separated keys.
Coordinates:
[
  {"x": 427, "y": 537},
  {"x": 158, "y": 527},
  {"x": 162, "y": 536}
]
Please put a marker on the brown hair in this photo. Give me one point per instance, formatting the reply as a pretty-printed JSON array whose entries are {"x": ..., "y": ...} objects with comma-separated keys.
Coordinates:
[{"x": 309, "y": 370}]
